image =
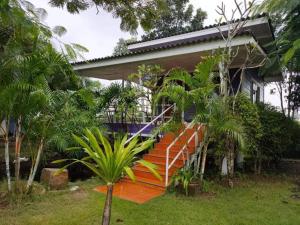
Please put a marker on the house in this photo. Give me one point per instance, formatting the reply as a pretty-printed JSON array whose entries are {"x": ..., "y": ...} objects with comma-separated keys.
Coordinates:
[{"x": 185, "y": 50}]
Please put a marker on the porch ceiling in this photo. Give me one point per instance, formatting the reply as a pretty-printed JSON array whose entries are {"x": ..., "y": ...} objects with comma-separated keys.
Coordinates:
[{"x": 186, "y": 56}]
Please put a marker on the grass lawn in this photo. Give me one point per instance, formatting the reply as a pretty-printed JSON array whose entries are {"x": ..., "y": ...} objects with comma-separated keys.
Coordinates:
[{"x": 264, "y": 201}]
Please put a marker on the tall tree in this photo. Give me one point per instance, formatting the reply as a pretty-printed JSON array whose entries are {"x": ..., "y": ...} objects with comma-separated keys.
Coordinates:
[
  {"x": 121, "y": 46},
  {"x": 179, "y": 16},
  {"x": 133, "y": 13},
  {"x": 30, "y": 68},
  {"x": 286, "y": 47}
]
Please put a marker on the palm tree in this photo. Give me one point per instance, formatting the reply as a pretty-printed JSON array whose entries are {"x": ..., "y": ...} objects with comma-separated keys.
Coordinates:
[
  {"x": 110, "y": 163},
  {"x": 212, "y": 111},
  {"x": 220, "y": 124},
  {"x": 188, "y": 90}
]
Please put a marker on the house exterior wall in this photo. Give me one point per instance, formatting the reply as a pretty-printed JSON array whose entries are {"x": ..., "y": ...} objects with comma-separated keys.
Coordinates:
[{"x": 253, "y": 85}]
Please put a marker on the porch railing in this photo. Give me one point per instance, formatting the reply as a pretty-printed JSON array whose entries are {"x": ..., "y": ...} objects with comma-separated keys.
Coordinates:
[
  {"x": 184, "y": 148},
  {"x": 161, "y": 115}
]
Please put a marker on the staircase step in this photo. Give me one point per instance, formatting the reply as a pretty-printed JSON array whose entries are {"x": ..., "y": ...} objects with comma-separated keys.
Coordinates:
[
  {"x": 162, "y": 166},
  {"x": 171, "y": 156},
  {"x": 147, "y": 174},
  {"x": 183, "y": 139},
  {"x": 161, "y": 169},
  {"x": 149, "y": 182},
  {"x": 175, "y": 148},
  {"x": 169, "y": 137},
  {"x": 162, "y": 160},
  {"x": 146, "y": 184}
]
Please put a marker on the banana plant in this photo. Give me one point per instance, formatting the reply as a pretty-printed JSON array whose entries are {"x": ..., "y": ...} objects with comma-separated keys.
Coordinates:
[{"x": 110, "y": 163}]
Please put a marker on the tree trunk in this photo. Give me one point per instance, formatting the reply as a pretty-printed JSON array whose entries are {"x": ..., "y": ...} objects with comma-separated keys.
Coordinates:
[
  {"x": 204, "y": 154},
  {"x": 230, "y": 162},
  {"x": 288, "y": 99},
  {"x": 259, "y": 165},
  {"x": 255, "y": 165},
  {"x": 223, "y": 79},
  {"x": 107, "y": 206},
  {"x": 7, "y": 155},
  {"x": 279, "y": 88},
  {"x": 36, "y": 163},
  {"x": 17, "y": 150}
]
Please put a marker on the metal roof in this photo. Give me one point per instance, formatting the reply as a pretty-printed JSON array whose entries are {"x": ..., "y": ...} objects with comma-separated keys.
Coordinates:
[{"x": 160, "y": 48}]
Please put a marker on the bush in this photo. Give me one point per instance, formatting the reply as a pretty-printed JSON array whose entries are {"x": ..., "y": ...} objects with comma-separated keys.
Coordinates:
[
  {"x": 269, "y": 135},
  {"x": 293, "y": 149},
  {"x": 249, "y": 114},
  {"x": 281, "y": 135}
]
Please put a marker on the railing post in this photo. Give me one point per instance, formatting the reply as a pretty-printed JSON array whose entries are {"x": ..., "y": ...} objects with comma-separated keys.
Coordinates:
[
  {"x": 196, "y": 138},
  {"x": 148, "y": 124},
  {"x": 167, "y": 168}
]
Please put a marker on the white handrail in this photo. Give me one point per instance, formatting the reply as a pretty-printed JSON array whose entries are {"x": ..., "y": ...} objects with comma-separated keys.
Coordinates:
[
  {"x": 180, "y": 151},
  {"x": 168, "y": 151},
  {"x": 151, "y": 122}
]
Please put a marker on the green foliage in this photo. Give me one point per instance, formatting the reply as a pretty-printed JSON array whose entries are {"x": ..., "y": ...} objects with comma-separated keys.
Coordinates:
[
  {"x": 32, "y": 76},
  {"x": 71, "y": 112},
  {"x": 291, "y": 52},
  {"x": 252, "y": 202},
  {"x": 132, "y": 13},
  {"x": 250, "y": 119},
  {"x": 110, "y": 162},
  {"x": 222, "y": 125},
  {"x": 293, "y": 149},
  {"x": 278, "y": 6},
  {"x": 121, "y": 46},
  {"x": 198, "y": 90},
  {"x": 177, "y": 17},
  {"x": 279, "y": 133},
  {"x": 183, "y": 177},
  {"x": 199, "y": 87},
  {"x": 206, "y": 186},
  {"x": 285, "y": 17},
  {"x": 121, "y": 101}
]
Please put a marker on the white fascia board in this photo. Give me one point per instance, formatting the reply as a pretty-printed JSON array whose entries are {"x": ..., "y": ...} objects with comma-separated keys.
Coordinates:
[
  {"x": 194, "y": 34},
  {"x": 201, "y": 47}
]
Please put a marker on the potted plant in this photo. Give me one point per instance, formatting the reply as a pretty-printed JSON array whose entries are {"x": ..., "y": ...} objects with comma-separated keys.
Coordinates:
[{"x": 185, "y": 182}]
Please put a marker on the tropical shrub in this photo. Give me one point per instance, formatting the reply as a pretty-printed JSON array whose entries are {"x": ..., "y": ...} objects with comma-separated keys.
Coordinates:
[
  {"x": 198, "y": 91},
  {"x": 31, "y": 71},
  {"x": 183, "y": 177},
  {"x": 110, "y": 163},
  {"x": 249, "y": 114},
  {"x": 279, "y": 135}
]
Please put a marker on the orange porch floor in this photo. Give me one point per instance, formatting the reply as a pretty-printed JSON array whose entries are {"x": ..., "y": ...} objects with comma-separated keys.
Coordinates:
[{"x": 133, "y": 192}]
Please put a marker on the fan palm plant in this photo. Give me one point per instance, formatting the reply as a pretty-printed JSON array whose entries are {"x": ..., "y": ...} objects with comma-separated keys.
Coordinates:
[
  {"x": 188, "y": 90},
  {"x": 110, "y": 163},
  {"x": 219, "y": 123},
  {"x": 212, "y": 111}
]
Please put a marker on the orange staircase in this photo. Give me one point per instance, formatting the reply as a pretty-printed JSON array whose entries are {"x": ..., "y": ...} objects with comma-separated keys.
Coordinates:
[{"x": 179, "y": 147}]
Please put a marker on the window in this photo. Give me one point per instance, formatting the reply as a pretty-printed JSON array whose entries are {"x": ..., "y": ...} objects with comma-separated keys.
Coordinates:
[
  {"x": 257, "y": 95},
  {"x": 255, "y": 92}
]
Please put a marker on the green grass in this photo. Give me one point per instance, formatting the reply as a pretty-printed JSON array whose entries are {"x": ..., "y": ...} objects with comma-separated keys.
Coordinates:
[{"x": 261, "y": 202}]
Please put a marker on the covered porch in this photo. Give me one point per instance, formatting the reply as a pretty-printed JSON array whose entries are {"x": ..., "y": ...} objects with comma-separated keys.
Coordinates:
[{"x": 184, "y": 55}]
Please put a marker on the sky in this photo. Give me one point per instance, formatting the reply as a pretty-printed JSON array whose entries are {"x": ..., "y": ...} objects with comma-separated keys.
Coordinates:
[{"x": 100, "y": 32}]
